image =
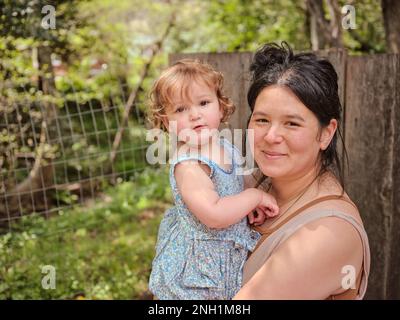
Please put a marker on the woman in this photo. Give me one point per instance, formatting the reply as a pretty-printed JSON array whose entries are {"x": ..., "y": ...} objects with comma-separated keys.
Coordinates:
[{"x": 317, "y": 247}]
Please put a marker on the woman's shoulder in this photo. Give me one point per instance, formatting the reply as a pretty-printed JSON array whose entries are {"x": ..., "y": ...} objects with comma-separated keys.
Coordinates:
[
  {"x": 330, "y": 209},
  {"x": 327, "y": 220},
  {"x": 309, "y": 247},
  {"x": 335, "y": 237},
  {"x": 309, "y": 261},
  {"x": 329, "y": 242},
  {"x": 328, "y": 232}
]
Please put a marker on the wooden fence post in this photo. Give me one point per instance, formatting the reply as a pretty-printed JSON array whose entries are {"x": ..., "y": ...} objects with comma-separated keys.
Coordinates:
[{"x": 372, "y": 142}]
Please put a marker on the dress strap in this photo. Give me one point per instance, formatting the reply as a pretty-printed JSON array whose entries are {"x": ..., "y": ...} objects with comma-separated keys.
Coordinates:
[
  {"x": 266, "y": 232},
  {"x": 200, "y": 158}
]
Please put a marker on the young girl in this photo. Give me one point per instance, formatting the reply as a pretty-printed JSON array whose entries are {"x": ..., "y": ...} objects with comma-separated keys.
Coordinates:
[{"x": 204, "y": 240}]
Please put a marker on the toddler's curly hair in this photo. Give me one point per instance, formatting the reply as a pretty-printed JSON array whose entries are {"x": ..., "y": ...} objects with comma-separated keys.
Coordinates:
[{"x": 179, "y": 77}]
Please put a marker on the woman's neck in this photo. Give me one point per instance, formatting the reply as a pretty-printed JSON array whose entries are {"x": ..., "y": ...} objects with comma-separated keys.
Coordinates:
[{"x": 287, "y": 189}]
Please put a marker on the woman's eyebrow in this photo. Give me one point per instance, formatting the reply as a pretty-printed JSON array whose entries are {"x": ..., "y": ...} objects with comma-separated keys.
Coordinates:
[
  {"x": 259, "y": 113},
  {"x": 295, "y": 116},
  {"x": 287, "y": 116}
]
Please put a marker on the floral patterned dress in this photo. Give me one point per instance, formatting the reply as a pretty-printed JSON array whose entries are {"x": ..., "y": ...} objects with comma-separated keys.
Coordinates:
[{"x": 194, "y": 261}]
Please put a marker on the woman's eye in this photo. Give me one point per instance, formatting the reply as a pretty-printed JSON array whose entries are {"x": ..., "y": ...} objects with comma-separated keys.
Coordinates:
[
  {"x": 204, "y": 103},
  {"x": 262, "y": 120}
]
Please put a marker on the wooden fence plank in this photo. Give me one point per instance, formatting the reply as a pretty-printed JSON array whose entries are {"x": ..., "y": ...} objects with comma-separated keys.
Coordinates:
[
  {"x": 393, "y": 288},
  {"x": 370, "y": 141}
]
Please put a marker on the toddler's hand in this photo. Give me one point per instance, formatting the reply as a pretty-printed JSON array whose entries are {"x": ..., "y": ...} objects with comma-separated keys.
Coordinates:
[
  {"x": 268, "y": 205},
  {"x": 267, "y": 208},
  {"x": 257, "y": 217}
]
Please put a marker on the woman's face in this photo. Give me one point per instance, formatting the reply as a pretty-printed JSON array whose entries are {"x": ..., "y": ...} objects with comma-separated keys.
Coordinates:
[{"x": 286, "y": 134}]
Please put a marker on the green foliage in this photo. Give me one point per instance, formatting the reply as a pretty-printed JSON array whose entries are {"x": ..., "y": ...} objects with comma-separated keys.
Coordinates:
[
  {"x": 369, "y": 35},
  {"x": 244, "y": 25},
  {"x": 118, "y": 36},
  {"x": 104, "y": 249},
  {"x": 100, "y": 251}
]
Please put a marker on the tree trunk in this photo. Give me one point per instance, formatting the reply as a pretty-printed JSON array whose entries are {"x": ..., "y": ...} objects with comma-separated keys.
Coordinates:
[
  {"x": 391, "y": 21},
  {"x": 335, "y": 24},
  {"x": 133, "y": 95},
  {"x": 31, "y": 193},
  {"x": 46, "y": 79},
  {"x": 324, "y": 33}
]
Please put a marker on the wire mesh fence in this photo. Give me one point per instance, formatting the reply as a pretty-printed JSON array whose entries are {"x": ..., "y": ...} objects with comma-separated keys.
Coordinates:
[{"x": 54, "y": 156}]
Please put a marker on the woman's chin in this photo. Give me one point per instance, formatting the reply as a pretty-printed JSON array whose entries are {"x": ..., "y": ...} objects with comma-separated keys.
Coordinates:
[{"x": 271, "y": 170}]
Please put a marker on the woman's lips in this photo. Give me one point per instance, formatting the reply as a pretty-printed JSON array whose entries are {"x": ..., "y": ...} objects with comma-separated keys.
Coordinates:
[{"x": 273, "y": 155}]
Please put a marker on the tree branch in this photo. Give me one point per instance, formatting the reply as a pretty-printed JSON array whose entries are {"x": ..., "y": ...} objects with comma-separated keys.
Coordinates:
[{"x": 132, "y": 97}]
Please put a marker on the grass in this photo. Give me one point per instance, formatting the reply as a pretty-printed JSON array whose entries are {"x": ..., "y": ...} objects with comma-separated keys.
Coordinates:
[{"x": 102, "y": 250}]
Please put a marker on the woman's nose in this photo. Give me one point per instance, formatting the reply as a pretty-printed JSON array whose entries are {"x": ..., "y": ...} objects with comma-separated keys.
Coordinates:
[{"x": 273, "y": 135}]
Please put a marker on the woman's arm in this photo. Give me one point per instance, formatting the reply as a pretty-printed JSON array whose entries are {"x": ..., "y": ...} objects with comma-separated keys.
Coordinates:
[
  {"x": 201, "y": 198},
  {"x": 309, "y": 264}
]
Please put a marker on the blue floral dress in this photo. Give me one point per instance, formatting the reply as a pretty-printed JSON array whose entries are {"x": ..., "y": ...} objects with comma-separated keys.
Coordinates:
[{"x": 194, "y": 261}]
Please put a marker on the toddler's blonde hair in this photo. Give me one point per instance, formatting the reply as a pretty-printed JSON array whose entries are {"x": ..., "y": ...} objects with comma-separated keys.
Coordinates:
[{"x": 179, "y": 77}]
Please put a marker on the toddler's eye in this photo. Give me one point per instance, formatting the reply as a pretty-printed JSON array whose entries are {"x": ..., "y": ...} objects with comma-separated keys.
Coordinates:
[
  {"x": 293, "y": 124},
  {"x": 204, "y": 103},
  {"x": 179, "y": 109}
]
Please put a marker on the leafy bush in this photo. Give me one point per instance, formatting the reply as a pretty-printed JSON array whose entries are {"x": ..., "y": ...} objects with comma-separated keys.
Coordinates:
[{"x": 101, "y": 250}]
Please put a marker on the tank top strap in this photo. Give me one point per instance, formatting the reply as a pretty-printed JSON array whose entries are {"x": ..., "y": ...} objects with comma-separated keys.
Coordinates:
[{"x": 265, "y": 232}]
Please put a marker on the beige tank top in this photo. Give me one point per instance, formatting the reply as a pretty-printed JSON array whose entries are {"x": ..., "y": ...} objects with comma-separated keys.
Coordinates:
[{"x": 272, "y": 237}]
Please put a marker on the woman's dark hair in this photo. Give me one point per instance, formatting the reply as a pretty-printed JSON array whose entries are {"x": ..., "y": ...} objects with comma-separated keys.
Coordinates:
[{"x": 312, "y": 79}]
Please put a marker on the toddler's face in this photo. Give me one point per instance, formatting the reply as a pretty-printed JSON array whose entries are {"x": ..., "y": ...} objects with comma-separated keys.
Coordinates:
[{"x": 197, "y": 118}]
